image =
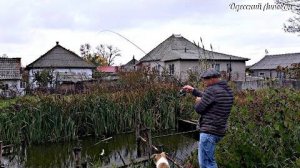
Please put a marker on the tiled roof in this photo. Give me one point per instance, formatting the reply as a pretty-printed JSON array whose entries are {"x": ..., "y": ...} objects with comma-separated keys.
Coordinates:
[
  {"x": 10, "y": 68},
  {"x": 107, "y": 69},
  {"x": 273, "y": 61},
  {"x": 179, "y": 48},
  {"x": 60, "y": 57}
]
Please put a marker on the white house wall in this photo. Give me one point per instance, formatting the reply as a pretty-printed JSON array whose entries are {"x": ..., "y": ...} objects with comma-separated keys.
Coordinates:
[
  {"x": 237, "y": 74},
  {"x": 181, "y": 68},
  {"x": 155, "y": 64},
  {"x": 265, "y": 73},
  {"x": 86, "y": 72},
  {"x": 14, "y": 85}
]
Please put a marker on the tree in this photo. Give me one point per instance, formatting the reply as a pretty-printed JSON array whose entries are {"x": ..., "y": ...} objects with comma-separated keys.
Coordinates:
[
  {"x": 104, "y": 55},
  {"x": 293, "y": 25},
  {"x": 44, "y": 77},
  {"x": 108, "y": 52},
  {"x": 92, "y": 57}
]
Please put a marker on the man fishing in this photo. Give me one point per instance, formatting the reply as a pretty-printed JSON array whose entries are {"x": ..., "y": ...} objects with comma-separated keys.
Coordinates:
[{"x": 214, "y": 106}]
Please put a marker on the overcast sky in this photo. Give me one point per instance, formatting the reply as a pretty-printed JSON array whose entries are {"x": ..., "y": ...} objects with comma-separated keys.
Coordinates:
[{"x": 29, "y": 28}]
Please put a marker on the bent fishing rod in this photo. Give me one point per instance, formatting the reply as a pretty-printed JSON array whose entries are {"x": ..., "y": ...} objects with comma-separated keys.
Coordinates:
[
  {"x": 155, "y": 61},
  {"x": 181, "y": 92}
]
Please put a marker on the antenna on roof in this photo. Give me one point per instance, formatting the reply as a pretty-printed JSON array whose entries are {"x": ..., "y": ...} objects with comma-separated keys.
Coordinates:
[{"x": 266, "y": 52}]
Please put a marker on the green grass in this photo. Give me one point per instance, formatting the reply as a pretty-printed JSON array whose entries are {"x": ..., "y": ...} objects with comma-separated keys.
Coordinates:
[{"x": 4, "y": 103}]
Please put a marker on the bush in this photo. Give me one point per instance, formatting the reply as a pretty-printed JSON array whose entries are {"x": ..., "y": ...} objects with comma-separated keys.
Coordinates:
[{"x": 264, "y": 130}]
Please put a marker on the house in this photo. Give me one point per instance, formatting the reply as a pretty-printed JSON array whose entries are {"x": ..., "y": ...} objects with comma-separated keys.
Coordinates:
[
  {"x": 179, "y": 56},
  {"x": 63, "y": 65},
  {"x": 267, "y": 67},
  {"x": 108, "y": 73},
  {"x": 130, "y": 66},
  {"x": 107, "y": 69},
  {"x": 10, "y": 77}
]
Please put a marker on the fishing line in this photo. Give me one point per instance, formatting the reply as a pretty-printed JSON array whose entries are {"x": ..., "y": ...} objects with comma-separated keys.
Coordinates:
[{"x": 159, "y": 65}]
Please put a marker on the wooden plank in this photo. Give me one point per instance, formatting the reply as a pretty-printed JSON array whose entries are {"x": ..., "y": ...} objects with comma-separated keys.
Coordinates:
[
  {"x": 193, "y": 122},
  {"x": 186, "y": 125}
]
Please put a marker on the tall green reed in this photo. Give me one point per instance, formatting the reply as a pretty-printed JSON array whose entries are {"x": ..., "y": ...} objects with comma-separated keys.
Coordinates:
[{"x": 107, "y": 110}]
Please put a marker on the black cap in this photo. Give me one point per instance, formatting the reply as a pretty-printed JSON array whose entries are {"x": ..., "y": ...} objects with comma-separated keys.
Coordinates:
[{"x": 210, "y": 73}]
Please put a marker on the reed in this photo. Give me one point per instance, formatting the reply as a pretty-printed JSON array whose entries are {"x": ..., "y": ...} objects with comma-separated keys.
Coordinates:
[{"x": 109, "y": 109}]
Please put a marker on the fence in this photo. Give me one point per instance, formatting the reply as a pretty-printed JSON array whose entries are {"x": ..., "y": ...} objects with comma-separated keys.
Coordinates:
[{"x": 259, "y": 84}]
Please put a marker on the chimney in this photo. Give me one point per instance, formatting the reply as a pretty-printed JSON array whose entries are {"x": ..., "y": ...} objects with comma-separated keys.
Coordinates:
[
  {"x": 133, "y": 59},
  {"x": 57, "y": 43}
]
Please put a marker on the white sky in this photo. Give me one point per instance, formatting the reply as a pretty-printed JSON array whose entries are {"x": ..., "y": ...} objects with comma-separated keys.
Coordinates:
[{"x": 29, "y": 28}]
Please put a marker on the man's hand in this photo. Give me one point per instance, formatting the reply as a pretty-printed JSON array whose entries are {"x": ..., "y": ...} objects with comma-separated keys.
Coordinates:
[
  {"x": 198, "y": 100},
  {"x": 188, "y": 88}
]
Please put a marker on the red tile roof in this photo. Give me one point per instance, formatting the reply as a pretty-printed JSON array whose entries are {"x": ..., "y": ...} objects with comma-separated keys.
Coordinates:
[{"x": 107, "y": 69}]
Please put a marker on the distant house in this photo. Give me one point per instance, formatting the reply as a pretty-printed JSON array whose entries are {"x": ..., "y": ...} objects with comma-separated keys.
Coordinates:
[
  {"x": 130, "y": 66},
  {"x": 107, "y": 69},
  {"x": 10, "y": 76},
  {"x": 108, "y": 72},
  {"x": 267, "y": 66},
  {"x": 178, "y": 56},
  {"x": 65, "y": 65}
]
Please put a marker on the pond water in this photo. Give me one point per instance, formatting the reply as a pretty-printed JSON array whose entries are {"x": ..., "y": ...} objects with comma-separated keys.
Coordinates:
[{"x": 96, "y": 153}]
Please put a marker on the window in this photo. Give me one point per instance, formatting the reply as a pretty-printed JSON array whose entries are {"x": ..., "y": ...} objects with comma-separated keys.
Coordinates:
[
  {"x": 229, "y": 68},
  {"x": 280, "y": 75},
  {"x": 23, "y": 85},
  {"x": 6, "y": 86},
  {"x": 216, "y": 66},
  {"x": 156, "y": 68},
  {"x": 171, "y": 69},
  {"x": 261, "y": 74}
]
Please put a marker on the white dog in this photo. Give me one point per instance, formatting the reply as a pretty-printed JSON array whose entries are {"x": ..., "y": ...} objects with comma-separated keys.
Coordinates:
[{"x": 161, "y": 160}]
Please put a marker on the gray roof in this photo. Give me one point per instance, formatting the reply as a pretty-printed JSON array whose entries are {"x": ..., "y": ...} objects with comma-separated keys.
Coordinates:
[
  {"x": 273, "y": 61},
  {"x": 133, "y": 61},
  {"x": 60, "y": 57},
  {"x": 177, "y": 47},
  {"x": 10, "y": 68}
]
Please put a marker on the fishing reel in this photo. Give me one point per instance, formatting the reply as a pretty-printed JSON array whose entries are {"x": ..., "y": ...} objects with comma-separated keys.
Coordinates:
[{"x": 182, "y": 93}]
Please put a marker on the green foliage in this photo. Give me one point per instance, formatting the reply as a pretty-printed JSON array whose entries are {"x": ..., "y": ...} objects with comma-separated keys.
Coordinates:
[
  {"x": 105, "y": 111},
  {"x": 264, "y": 130},
  {"x": 44, "y": 77},
  {"x": 104, "y": 56},
  {"x": 92, "y": 57}
]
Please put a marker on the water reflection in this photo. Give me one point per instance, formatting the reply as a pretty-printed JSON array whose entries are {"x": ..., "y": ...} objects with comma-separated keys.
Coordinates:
[{"x": 97, "y": 154}]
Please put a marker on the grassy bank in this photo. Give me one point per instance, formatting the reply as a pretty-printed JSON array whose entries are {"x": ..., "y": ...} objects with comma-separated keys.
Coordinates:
[{"x": 263, "y": 129}]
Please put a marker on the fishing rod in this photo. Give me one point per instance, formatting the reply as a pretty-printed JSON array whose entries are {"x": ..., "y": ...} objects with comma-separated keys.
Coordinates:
[{"x": 182, "y": 92}]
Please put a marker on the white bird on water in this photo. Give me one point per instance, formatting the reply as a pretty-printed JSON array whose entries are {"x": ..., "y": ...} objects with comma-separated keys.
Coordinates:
[{"x": 102, "y": 152}]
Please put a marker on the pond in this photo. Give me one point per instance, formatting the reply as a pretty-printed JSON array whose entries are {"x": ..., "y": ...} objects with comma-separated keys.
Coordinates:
[{"x": 96, "y": 153}]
